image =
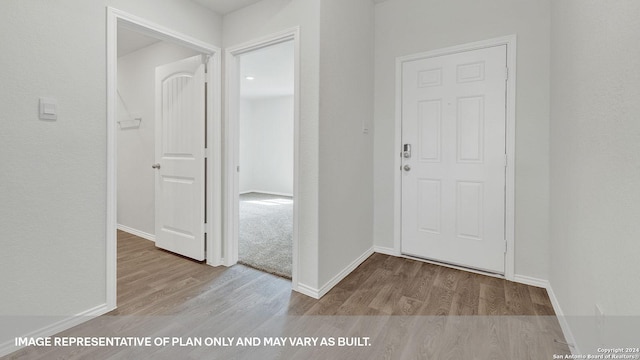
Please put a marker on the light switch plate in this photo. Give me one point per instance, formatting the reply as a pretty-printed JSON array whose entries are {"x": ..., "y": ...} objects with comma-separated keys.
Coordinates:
[{"x": 48, "y": 109}]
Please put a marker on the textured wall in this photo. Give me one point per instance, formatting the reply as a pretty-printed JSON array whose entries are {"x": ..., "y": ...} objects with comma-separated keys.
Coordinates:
[
  {"x": 184, "y": 16},
  {"x": 595, "y": 157},
  {"x": 53, "y": 173},
  {"x": 346, "y": 153}
]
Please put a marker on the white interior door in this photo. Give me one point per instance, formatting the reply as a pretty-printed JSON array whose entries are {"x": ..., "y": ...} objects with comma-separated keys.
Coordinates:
[
  {"x": 453, "y": 181},
  {"x": 180, "y": 148}
]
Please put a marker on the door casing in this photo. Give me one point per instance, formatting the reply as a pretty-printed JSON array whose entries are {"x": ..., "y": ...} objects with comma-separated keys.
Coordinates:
[
  {"x": 117, "y": 17},
  {"x": 231, "y": 156},
  {"x": 510, "y": 42}
]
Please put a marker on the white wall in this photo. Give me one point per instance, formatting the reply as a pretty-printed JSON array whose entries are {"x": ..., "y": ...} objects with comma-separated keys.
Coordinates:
[
  {"x": 406, "y": 27},
  {"x": 335, "y": 156},
  {"x": 52, "y": 219},
  {"x": 595, "y": 152},
  {"x": 346, "y": 153},
  {"x": 53, "y": 173},
  {"x": 265, "y": 18},
  {"x": 136, "y": 85},
  {"x": 266, "y": 145},
  {"x": 184, "y": 16}
]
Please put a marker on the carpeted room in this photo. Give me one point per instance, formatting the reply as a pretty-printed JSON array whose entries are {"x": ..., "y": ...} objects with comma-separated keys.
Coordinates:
[
  {"x": 266, "y": 141},
  {"x": 266, "y": 229}
]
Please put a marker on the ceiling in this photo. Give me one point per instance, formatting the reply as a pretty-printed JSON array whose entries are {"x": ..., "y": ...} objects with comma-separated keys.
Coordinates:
[
  {"x": 226, "y": 6},
  {"x": 130, "y": 41},
  {"x": 272, "y": 70}
]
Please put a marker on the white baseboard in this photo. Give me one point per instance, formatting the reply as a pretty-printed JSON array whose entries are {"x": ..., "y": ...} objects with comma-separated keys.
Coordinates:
[
  {"x": 343, "y": 274},
  {"x": 266, "y": 192},
  {"x": 566, "y": 330},
  {"x": 59, "y": 326},
  {"x": 318, "y": 293},
  {"x": 138, "y": 233},
  {"x": 308, "y": 290},
  {"x": 564, "y": 325},
  {"x": 528, "y": 280},
  {"x": 385, "y": 250}
]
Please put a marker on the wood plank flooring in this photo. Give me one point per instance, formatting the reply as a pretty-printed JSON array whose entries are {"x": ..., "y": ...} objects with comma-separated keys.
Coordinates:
[{"x": 409, "y": 309}]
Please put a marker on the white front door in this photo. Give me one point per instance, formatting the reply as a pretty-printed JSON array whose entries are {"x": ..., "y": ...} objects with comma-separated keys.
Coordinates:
[
  {"x": 180, "y": 161},
  {"x": 453, "y": 176}
]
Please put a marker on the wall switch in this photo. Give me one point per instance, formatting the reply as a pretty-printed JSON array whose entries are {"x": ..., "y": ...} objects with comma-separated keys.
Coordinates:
[{"x": 48, "y": 109}]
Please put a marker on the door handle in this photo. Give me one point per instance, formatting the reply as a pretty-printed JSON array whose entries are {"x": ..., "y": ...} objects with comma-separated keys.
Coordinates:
[
  {"x": 155, "y": 166},
  {"x": 407, "y": 168}
]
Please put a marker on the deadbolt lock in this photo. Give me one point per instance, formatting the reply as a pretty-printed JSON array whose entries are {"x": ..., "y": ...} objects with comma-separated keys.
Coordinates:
[{"x": 406, "y": 151}]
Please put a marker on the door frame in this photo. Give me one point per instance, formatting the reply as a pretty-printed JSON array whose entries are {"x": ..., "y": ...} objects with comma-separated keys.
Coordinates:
[
  {"x": 214, "y": 138},
  {"x": 232, "y": 140},
  {"x": 510, "y": 42}
]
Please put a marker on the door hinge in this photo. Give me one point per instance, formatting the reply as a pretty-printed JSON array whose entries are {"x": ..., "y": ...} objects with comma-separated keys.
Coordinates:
[
  {"x": 506, "y": 73},
  {"x": 505, "y": 247},
  {"x": 506, "y": 160}
]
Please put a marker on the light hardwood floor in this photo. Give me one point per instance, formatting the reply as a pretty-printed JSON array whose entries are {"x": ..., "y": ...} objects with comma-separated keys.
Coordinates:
[{"x": 408, "y": 309}]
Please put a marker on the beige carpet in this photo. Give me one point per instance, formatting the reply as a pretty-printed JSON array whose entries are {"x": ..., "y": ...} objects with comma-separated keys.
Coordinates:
[{"x": 266, "y": 228}]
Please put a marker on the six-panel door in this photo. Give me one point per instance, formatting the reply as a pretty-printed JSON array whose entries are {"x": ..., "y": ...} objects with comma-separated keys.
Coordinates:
[{"x": 453, "y": 194}]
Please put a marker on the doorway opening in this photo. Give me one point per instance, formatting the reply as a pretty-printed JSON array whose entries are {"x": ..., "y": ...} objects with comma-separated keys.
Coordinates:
[
  {"x": 139, "y": 56},
  {"x": 163, "y": 149},
  {"x": 261, "y": 160},
  {"x": 265, "y": 236}
]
